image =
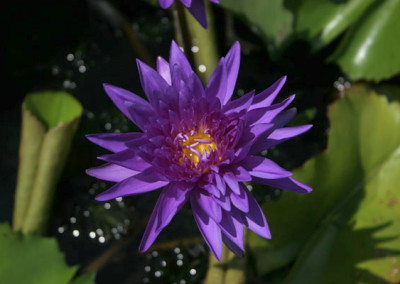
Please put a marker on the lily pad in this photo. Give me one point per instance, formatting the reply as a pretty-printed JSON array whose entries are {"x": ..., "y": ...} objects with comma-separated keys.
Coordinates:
[
  {"x": 348, "y": 229},
  {"x": 370, "y": 48},
  {"x": 31, "y": 259}
]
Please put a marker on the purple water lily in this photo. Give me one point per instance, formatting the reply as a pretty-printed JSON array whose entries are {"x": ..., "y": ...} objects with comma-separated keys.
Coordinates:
[
  {"x": 196, "y": 8},
  {"x": 199, "y": 147}
]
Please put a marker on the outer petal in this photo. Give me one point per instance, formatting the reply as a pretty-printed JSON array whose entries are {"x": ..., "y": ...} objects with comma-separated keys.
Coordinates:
[
  {"x": 208, "y": 228},
  {"x": 209, "y": 205},
  {"x": 163, "y": 69},
  {"x": 165, "y": 4},
  {"x": 240, "y": 201},
  {"x": 111, "y": 172},
  {"x": 232, "y": 226},
  {"x": 137, "y": 184},
  {"x": 232, "y": 61},
  {"x": 240, "y": 104},
  {"x": 255, "y": 219},
  {"x": 282, "y": 134},
  {"x": 113, "y": 142},
  {"x": 177, "y": 57},
  {"x": 217, "y": 85},
  {"x": 187, "y": 3},
  {"x": 127, "y": 159},
  {"x": 267, "y": 114},
  {"x": 151, "y": 81},
  {"x": 266, "y": 97},
  {"x": 285, "y": 183},
  {"x": 264, "y": 168},
  {"x": 198, "y": 10},
  {"x": 120, "y": 97},
  {"x": 171, "y": 200}
]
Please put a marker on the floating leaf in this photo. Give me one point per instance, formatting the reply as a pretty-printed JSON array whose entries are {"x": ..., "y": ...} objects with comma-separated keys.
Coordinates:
[
  {"x": 31, "y": 259},
  {"x": 370, "y": 49},
  {"x": 321, "y": 21},
  {"x": 348, "y": 228}
]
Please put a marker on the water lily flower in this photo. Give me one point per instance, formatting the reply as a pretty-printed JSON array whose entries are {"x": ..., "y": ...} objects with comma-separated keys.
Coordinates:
[
  {"x": 196, "y": 8},
  {"x": 200, "y": 147}
]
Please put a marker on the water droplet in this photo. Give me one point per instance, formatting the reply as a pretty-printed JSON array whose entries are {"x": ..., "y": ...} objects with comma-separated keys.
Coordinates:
[
  {"x": 82, "y": 69},
  {"x": 193, "y": 271},
  {"x": 107, "y": 205},
  {"x": 102, "y": 239},
  {"x": 154, "y": 253},
  {"x": 92, "y": 235},
  {"x": 157, "y": 273},
  {"x": 195, "y": 49},
  {"x": 61, "y": 230},
  {"x": 75, "y": 233},
  {"x": 202, "y": 68},
  {"x": 179, "y": 256},
  {"x": 70, "y": 57},
  {"x": 179, "y": 262},
  {"x": 72, "y": 220},
  {"x": 177, "y": 250},
  {"x": 147, "y": 268}
]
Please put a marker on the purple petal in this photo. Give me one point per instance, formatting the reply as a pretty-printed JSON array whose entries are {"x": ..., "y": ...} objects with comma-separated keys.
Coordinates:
[
  {"x": 168, "y": 204},
  {"x": 165, "y": 4},
  {"x": 240, "y": 200},
  {"x": 208, "y": 204},
  {"x": 137, "y": 184},
  {"x": 255, "y": 219},
  {"x": 114, "y": 142},
  {"x": 240, "y": 104},
  {"x": 151, "y": 81},
  {"x": 266, "y": 97},
  {"x": 111, "y": 172},
  {"x": 249, "y": 137},
  {"x": 285, "y": 183},
  {"x": 231, "y": 181},
  {"x": 232, "y": 61},
  {"x": 220, "y": 184},
  {"x": 232, "y": 226},
  {"x": 241, "y": 174},
  {"x": 232, "y": 246},
  {"x": 198, "y": 10},
  {"x": 264, "y": 168},
  {"x": 217, "y": 84},
  {"x": 163, "y": 69},
  {"x": 267, "y": 114},
  {"x": 208, "y": 228},
  {"x": 187, "y": 3},
  {"x": 282, "y": 134},
  {"x": 224, "y": 202},
  {"x": 127, "y": 159},
  {"x": 120, "y": 96},
  {"x": 177, "y": 57}
]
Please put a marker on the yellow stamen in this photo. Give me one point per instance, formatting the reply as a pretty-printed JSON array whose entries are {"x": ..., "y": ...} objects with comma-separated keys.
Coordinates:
[{"x": 195, "y": 143}]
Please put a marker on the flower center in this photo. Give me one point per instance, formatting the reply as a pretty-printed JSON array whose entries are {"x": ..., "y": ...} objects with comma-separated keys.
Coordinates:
[{"x": 196, "y": 145}]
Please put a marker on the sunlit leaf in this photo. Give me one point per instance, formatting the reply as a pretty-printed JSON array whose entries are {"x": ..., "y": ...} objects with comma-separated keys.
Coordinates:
[
  {"x": 370, "y": 49},
  {"x": 348, "y": 228},
  {"x": 321, "y": 21}
]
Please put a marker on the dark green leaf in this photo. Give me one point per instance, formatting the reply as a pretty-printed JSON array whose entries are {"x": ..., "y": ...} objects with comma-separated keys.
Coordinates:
[{"x": 348, "y": 228}]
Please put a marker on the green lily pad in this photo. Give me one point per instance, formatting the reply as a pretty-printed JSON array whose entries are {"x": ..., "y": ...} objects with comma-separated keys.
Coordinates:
[
  {"x": 31, "y": 259},
  {"x": 370, "y": 49},
  {"x": 270, "y": 19},
  {"x": 321, "y": 21},
  {"x": 53, "y": 107},
  {"x": 348, "y": 229}
]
